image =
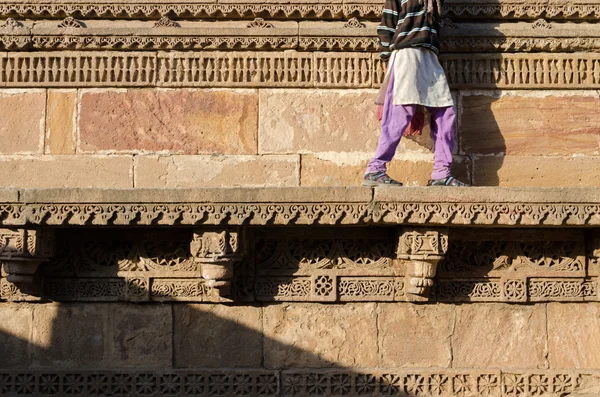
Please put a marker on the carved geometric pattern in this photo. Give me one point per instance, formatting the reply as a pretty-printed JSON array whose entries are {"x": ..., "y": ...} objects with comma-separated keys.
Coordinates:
[
  {"x": 567, "y": 9},
  {"x": 287, "y": 69},
  {"x": 419, "y": 383},
  {"x": 552, "y": 253},
  {"x": 140, "y": 383},
  {"x": 301, "y": 256},
  {"x": 249, "y": 382}
]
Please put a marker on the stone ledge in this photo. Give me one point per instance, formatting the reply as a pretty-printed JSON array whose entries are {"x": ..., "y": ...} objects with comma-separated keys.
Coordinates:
[{"x": 301, "y": 206}]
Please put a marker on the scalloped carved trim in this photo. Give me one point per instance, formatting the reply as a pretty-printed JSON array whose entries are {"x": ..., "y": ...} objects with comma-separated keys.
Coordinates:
[{"x": 506, "y": 10}]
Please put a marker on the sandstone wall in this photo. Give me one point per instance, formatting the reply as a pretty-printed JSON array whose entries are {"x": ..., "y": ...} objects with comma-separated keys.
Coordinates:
[
  {"x": 283, "y": 137},
  {"x": 358, "y": 348}
]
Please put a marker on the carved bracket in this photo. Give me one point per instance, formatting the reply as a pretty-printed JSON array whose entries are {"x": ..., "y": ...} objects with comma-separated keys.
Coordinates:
[
  {"x": 21, "y": 252},
  {"x": 423, "y": 249},
  {"x": 217, "y": 251}
]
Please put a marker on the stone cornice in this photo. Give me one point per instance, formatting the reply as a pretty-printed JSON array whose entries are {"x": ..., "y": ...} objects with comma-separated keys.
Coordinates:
[
  {"x": 504, "y": 9},
  {"x": 302, "y": 206}
]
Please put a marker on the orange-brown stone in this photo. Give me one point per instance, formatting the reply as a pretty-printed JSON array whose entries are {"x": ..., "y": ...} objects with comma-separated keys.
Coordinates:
[
  {"x": 22, "y": 126},
  {"x": 175, "y": 121}
]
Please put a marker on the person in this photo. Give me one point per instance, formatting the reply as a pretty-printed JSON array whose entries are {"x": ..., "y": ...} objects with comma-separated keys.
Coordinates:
[{"x": 409, "y": 44}]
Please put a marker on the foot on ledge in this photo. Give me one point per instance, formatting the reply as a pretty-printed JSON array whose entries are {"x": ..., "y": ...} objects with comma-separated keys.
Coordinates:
[
  {"x": 450, "y": 181},
  {"x": 380, "y": 178}
]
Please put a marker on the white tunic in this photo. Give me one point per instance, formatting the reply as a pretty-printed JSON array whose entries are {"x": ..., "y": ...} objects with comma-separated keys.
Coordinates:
[{"x": 418, "y": 79}]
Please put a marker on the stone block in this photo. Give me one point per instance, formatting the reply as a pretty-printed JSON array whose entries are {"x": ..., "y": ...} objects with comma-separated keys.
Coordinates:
[
  {"x": 318, "y": 335},
  {"x": 347, "y": 169},
  {"x": 518, "y": 125},
  {"x": 23, "y": 115},
  {"x": 415, "y": 336},
  {"x": 60, "y": 122},
  {"x": 499, "y": 336},
  {"x": 67, "y": 171},
  {"x": 15, "y": 335},
  {"x": 71, "y": 336},
  {"x": 313, "y": 121},
  {"x": 217, "y": 336},
  {"x": 536, "y": 171},
  {"x": 142, "y": 336},
  {"x": 182, "y": 121},
  {"x": 216, "y": 171},
  {"x": 573, "y": 335}
]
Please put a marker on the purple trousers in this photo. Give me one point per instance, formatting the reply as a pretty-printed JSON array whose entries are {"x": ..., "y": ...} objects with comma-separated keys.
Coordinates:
[{"x": 396, "y": 119}]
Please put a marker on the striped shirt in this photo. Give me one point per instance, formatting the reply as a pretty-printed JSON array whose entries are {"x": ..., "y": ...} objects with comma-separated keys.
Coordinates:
[{"x": 406, "y": 23}]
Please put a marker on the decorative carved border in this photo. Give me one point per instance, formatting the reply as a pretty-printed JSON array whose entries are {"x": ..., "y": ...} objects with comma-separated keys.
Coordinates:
[
  {"x": 72, "y": 34},
  {"x": 484, "y": 9},
  {"x": 116, "y": 214},
  {"x": 293, "y": 382},
  {"x": 287, "y": 69}
]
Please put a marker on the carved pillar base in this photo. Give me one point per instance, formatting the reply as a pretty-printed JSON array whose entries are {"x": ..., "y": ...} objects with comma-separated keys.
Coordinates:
[
  {"x": 422, "y": 249},
  {"x": 217, "y": 251},
  {"x": 21, "y": 252}
]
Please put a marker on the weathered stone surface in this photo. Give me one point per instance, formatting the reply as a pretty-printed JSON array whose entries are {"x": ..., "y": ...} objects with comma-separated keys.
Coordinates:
[
  {"x": 102, "y": 336},
  {"x": 415, "y": 336},
  {"x": 175, "y": 121},
  {"x": 310, "y": 121},
  {"x": 216, "y": 171},
  {"x": 60, "y": 122},
  {"x": 499, "y": 336},
  {"x": 536, "y": 171},
  {"x": 200, "y": 195},
  {"x": 217, "y": 336},
  {"x": 516, "y": 125},
  {"x": 67, "y": 171},
  {"x": 347, "y": 169},
  {"x": 15, "y": 332},
  {"x": 22, "y": 127},
  {"x": 316, "y": 335},
  {"x": 71, "y": 336},
  {"x": 572, "y": 335},
  {"x": 142, "y": 335}
]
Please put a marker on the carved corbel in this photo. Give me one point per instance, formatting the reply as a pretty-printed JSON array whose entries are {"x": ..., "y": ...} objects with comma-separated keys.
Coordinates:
[
  {"x": 21, "y": 252},
  {"x": 217, "y": 251},
  {"x": 422, "y": 249}
]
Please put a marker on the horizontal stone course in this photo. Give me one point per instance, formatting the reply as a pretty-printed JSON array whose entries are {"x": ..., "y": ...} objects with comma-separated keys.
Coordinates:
[
  {"x": 216, "y": 171},
  {"x": 536, "y": 171},
  {"x": 77, "y": 171}
]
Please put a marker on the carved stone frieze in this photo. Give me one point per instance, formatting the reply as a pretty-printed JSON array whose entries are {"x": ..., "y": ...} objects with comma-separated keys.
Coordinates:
[
  {"x": 294, "y": 382},
  {"x": 72, "y": 34},
  {"x": 488, "y": 9},
  {"x": 331, "y": 264},
  {"x": 287, "y": 69}
]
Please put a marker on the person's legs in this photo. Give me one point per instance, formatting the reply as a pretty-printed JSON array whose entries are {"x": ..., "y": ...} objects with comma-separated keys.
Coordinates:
[
  {"x": 395, "y": 120},
  {"x": 442, "y": 132}
]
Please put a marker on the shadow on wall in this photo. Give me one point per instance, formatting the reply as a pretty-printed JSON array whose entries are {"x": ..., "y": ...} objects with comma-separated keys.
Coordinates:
[{"x": 187, "y": 349}]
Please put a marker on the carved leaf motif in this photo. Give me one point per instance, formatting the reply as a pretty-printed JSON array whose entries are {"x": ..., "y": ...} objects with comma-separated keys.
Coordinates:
[
  {"x": 260, "y": 23},
  {"x": 70, "y": 22},
  {"x": 541, "y": 24},
  {"x": 166, "y": 22},
  {"x": 354, "y": 23},
  {"x": 11, "y": 23}
]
